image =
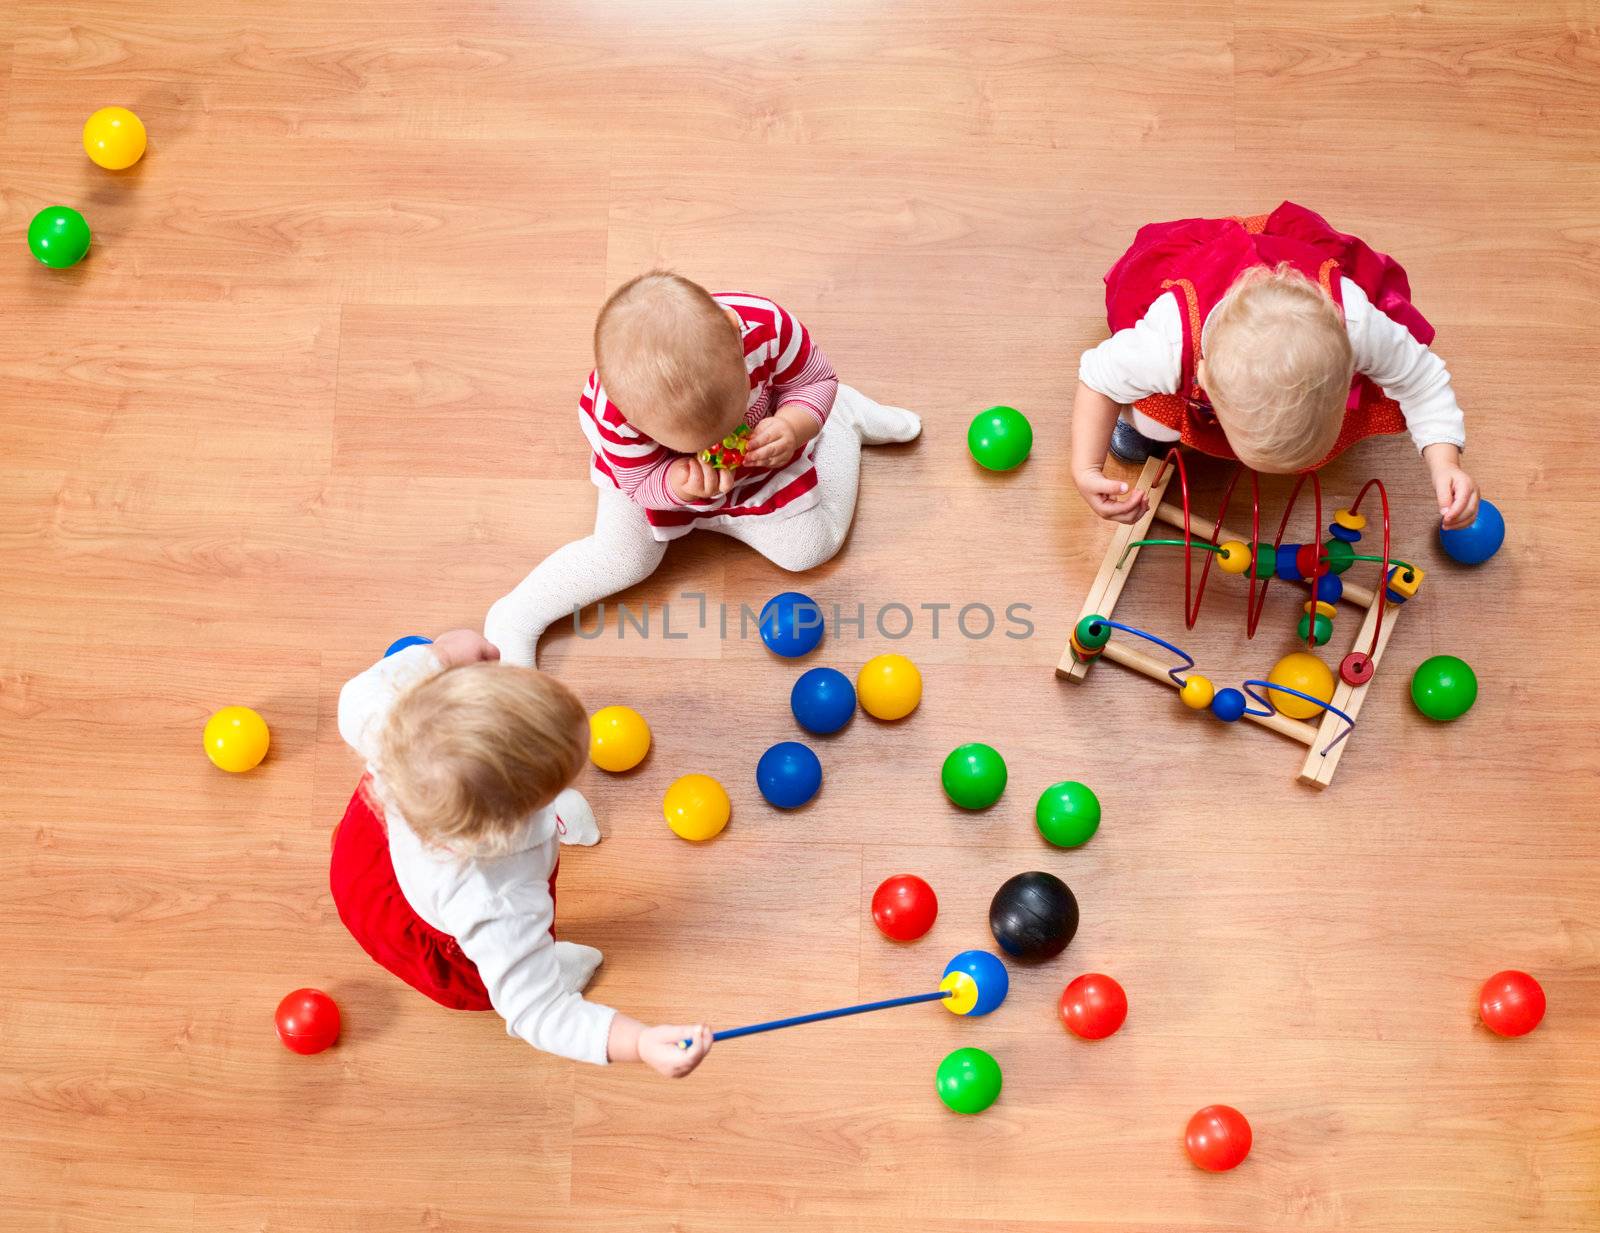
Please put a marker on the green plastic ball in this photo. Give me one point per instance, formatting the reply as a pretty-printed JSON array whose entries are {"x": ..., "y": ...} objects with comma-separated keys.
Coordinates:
[
  {"x": 58, "y": 236},
  {"x": 1068, "y": 813},
  {"x": 1324, "y": 628},
  {"x": 968, "y": 1080},
  {"x": 1000, "y": 438},
  {"x": 1444, "y": 687},
  {"x": 1339, "y": 555},
  {"x": 974, "y": 775}
]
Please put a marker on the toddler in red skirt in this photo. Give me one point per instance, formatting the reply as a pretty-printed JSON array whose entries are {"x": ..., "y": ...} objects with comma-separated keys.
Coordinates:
[
  {"x": 1273, "y": 339},
  {"x": 444, "y": 867}
]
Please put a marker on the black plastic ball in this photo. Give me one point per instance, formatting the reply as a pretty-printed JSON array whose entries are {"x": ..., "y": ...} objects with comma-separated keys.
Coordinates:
[{"x": 1033, "y": 916}]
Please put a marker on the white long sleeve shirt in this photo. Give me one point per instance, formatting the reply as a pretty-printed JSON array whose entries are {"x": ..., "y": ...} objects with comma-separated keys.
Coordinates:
[
  {"x": 498, "y": 910},
  {"x": 1147, "y": 358}
]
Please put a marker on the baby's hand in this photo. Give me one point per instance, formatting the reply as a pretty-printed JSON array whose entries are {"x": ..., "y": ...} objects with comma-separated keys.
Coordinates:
[
  {"x": 1458, "y": 496},
  {"x": 772, "y": 443},
  {"x": 662, "y": 1048},
  {"x": 693, "y": 480},
  {"x": 1110, "y": 498},
  {"x": 463, "y": 646}
]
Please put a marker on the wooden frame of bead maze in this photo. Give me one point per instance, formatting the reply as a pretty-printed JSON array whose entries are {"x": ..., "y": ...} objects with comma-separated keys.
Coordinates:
[{"x": 1325, "y": 740}]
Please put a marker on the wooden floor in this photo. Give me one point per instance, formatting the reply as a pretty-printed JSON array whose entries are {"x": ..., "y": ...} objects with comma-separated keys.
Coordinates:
[{"x": 315, "y": 388}]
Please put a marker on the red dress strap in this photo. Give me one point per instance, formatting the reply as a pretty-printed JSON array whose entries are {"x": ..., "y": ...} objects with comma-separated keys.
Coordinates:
[{"x": 379, "y": 917}]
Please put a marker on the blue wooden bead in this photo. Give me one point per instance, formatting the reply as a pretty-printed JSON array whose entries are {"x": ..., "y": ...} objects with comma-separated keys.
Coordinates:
[
  {"x": 1228, "y": 705},
  {"x": 1287, "y": 569},
  {"x": 1344, "y": 533},
  {"x": 1329, "y": 588}
]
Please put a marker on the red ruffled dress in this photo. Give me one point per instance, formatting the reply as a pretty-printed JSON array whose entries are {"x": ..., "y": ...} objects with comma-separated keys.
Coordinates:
[
  {"x": 375, "y": 910},
  {"x": 1196, "y": 260}
]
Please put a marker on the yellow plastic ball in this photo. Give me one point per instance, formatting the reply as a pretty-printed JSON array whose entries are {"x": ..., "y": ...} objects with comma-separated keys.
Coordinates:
[
  {"x": 1197, "y": 692},
  {"x": 619, "y": 738},
  {"x": 1234, "y": 557},
  {"x": 1303, "y": 671},
  {"x": 697, "y": 808},
  {"x": 114, "y": 138},
  {"x": 889, "y": 686},
  {"x": 236, "y": 738}
]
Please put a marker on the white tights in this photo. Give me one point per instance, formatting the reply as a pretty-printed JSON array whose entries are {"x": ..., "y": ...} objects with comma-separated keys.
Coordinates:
[{"x": 623, "y": 552}]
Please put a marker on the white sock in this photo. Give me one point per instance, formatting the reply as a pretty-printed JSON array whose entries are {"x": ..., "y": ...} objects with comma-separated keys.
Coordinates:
[
  {"x": 875, "y": 423},
  {"x": 577, "y": 963},
  {"x": 575, "y": 819}
]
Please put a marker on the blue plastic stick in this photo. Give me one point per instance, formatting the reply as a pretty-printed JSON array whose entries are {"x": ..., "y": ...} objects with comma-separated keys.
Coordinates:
[{"x": 774, "y": 1024}]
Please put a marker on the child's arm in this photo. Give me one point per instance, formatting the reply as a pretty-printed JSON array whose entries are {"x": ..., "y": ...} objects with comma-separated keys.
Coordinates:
[
  {"x": 1417, "y": 379},
  {"x": 1134, "y": 363},
  {"x": 804, "y": 386},
  {"x": 643, "y": 470},
  {"x": 1093, "y": 417},
  {"x": 511, "y": 946}
]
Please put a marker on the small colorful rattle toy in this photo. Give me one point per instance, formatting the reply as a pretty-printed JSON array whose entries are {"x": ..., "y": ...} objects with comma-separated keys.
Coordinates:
[{"x": 728, "y": 455}]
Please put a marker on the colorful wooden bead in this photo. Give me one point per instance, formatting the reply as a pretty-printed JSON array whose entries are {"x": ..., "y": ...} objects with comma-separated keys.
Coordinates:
[
  {"x": 1306, "y": 674},
  {"x": 1228, "y": 705},
  {"x": 1234, "y": 557},
  {"x": 1288, "y": 562},
  {"x": 1329, "y": 588},
  {"x": 1322, "y": 632},
  {"x": 1197, "y": 692},
  {"x": 1349, "y": 521},
  {"x": 1404, "y": 580},
  {"x": 1080, "y": 653},
  {"x": 1092, "y": 632},
  {"x": 1309, "y": 560},
  {"x": 1356, "y": 668},
  {"x": 1344, "y": 534},
  {"x": 1264, "y": 560},
  {"x": 1339, "y": 555},
  {"x": 1322, "y": 608}
]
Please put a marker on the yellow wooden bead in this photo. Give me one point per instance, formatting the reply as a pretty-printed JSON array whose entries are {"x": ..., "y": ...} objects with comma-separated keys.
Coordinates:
[
  {"x": 1349, "y": 521},
  {"x": 1405, "y": 581},
  {"x": 1324, "y": 609},
  {"x": 1197, "y": 692},
  {"x": 1306, "y": 673},
  {"x": 1234, "y": 557}
]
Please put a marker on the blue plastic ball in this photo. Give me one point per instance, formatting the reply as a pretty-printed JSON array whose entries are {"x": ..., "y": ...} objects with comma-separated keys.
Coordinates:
[
  {"x": 788, "y": 775},
  {"x": 1329, "y": 588},
  {"x": 1228, "y": 705},
  {"x": 791, "y": 624},
  {"x": 1479, "y": 540},
  {"x": 823, "y": 700},
  {"x": 988, "y": 973},
  {"x": 400, "y": 644}
]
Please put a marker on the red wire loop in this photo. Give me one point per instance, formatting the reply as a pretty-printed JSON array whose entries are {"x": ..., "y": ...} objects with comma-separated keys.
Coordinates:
[{"x": 1383, "y": 575}]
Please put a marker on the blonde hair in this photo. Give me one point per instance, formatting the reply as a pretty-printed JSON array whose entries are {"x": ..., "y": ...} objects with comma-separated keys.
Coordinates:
[
  {"x": 1278, "y": 368},
  {"x": 670, "y": 358},
  {"x": 469, "y": 754}
]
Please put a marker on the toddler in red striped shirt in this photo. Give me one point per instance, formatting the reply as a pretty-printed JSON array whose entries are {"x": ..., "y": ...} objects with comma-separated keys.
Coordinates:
[{"x": 677, "y": 370}]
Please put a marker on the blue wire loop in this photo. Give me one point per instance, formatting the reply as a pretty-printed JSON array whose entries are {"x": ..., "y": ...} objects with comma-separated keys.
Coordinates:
[{"x": 1250, "y": 687}]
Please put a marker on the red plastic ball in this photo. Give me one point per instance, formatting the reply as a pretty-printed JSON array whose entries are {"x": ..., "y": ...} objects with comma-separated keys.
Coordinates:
[
  {"x": 307, "y": 1021},
  {"x": 1511, "y": 1003},
  {"x": 1218, "y": 1138},
  {"x": 904, "y": 907},
  {"x": 1093, "y": 1006}
]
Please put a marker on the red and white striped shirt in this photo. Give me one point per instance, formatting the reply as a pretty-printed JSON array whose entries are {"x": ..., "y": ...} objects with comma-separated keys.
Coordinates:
[{"x": 785, "y": 370}]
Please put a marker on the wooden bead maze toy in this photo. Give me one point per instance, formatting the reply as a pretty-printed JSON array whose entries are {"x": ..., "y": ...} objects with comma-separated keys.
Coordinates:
[{"x": 1299, "y": 688}]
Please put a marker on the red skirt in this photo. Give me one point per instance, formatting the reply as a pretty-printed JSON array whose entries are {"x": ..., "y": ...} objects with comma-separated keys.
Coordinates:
[{"x": 375, "y": 910}]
